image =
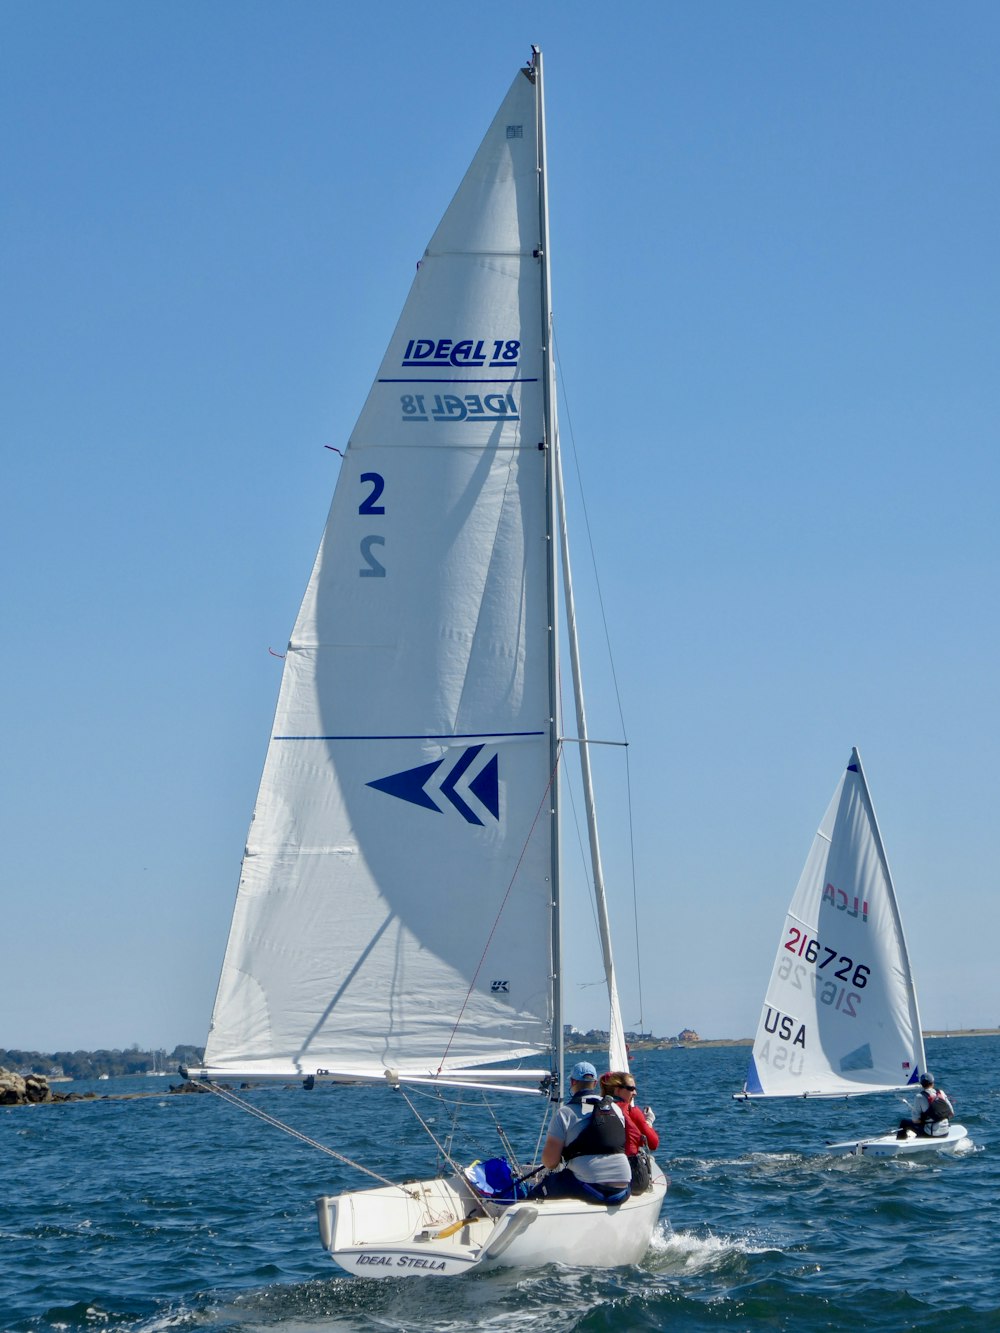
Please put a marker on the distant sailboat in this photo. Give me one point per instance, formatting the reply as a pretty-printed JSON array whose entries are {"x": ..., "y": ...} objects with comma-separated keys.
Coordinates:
[
  {"x": 840, "y": 1012},
  {"x": 397, "y": 920}
]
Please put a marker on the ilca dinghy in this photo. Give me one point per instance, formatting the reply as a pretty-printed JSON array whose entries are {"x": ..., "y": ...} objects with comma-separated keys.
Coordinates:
[
  {"x": 398, "y": 915},
  {"x": 840, "y": 1014}
]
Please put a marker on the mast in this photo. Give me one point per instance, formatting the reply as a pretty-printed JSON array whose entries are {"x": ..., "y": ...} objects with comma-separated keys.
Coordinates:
[
  {"x": 549, "y": 444},
  {"x": 617, "y": 1050},
  {"x": 556, "y": 514}
]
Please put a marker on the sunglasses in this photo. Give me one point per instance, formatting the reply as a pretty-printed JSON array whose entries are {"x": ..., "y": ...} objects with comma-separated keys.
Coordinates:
[{"x": 628, "y": 1087}]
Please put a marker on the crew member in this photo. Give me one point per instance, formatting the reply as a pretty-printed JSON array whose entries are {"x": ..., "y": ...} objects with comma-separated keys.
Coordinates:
[
  {"x": 588, "y": 1133},
  {"x": 639, "y": 1131}
]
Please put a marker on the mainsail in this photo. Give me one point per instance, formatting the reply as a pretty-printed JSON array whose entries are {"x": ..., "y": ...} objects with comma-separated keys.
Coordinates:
[
  {"x": 840, "y": 1013},
  {"x": 398, "y": 914},
  {"x": 395, "y": 900}
]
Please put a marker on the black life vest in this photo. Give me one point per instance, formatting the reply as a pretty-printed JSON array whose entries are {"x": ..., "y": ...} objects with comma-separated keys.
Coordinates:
[
  {"x": 938, "y": 1106},
  {"x": 603, "y": 1130}
]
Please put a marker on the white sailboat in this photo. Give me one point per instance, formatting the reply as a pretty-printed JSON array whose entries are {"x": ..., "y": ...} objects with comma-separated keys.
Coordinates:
[
  {"x": 840, "y": 1013},
  {"x": 398, "y": 914}
]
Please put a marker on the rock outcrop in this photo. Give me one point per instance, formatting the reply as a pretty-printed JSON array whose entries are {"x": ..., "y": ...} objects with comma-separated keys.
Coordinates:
[{"x": 25, "y": 1089}]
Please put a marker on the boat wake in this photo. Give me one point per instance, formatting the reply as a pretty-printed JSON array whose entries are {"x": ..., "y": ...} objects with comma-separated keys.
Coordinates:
[{"x": 695, "y": 1252}]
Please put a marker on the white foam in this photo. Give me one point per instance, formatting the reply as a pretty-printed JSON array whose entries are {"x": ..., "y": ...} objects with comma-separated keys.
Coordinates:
[{"x": 693, "y": 1252}]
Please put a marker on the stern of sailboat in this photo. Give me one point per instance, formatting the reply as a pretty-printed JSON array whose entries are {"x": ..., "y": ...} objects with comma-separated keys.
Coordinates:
[
  {"x": 430, "y": 1228},
  {"x": 438, "y": 1228}
]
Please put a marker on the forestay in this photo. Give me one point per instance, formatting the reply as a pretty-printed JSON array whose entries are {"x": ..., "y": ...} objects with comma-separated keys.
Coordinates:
[
  {"x": 394, "y": 906},
  {"x": 840, "y": 1014}
]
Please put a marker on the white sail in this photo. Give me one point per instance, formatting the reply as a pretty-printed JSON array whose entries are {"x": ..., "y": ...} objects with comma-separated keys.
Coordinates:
[
  {"x": 394, "y": 905},
  {"x": 840, "y": 1013}
]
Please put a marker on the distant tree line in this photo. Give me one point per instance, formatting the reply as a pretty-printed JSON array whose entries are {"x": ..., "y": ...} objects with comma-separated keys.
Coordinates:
[
  {"x": 597, "y": 1037},
  {"x": 91, "y": 1064}
]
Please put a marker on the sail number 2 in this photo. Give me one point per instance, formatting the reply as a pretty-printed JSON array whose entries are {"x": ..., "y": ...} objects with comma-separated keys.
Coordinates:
[
  {"x": 373, "y": 567},
  {"x": 800, "y": 944}
]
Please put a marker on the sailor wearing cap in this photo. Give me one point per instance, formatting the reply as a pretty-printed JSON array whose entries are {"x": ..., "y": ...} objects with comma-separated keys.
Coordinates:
[
  {"x": 931, "y": 1112},
  {"x": 588, "y": 1133}
]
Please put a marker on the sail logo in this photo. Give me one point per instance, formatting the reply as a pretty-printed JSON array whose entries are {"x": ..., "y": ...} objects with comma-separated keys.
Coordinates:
[
  {"x": 786, "y": 1053},
  {"x": 782, "y": 1059},
  {"x": 459, "y": 407},
  {"x": 838, "y": 898},
  {"x": 439, "y": 353},
  {"x": 500, "y": 987},
  {"x": 783, "y": 1026},
  {"x": 461, "y": 780}
]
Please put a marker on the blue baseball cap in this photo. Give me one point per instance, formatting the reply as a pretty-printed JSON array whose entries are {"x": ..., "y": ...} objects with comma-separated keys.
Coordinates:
[{"x": 581, "y": 1071}]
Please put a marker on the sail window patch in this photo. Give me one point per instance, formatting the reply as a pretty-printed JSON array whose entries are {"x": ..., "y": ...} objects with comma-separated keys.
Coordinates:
[
  {"x": 515, "y": 131},
  {"x": 861, "y": 1058}
]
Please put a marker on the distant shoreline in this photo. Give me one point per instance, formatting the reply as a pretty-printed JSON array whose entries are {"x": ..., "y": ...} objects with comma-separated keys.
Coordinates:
[
  {"x": 576, "y": 1047},
  {"x": 670, "y": 1044},
  {"x": 40, "y": 1063},
  {"x": 965, "y": 1032}
]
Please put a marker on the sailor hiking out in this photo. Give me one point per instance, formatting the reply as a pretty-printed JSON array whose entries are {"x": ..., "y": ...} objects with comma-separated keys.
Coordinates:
[{"x": 588, "y": 1134}]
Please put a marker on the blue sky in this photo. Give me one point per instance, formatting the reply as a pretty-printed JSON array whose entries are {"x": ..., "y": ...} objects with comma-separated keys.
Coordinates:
[{"x": 776, "y": 294}]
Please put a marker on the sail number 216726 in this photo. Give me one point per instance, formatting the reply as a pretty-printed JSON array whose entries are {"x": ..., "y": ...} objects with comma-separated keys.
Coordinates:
[{"x": 804, "y": 946}]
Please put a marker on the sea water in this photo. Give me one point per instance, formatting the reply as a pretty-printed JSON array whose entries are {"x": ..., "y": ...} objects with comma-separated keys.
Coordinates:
[{"x": 179, "y": 1212}]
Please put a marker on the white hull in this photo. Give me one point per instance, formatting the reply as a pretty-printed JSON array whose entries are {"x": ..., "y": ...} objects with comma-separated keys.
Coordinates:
[
  {"x": 887, "y": 1145},
  {"x": 436, "y": 1228}
]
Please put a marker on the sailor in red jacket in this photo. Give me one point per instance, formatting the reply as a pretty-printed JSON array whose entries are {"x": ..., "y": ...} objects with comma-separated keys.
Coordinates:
[{"x": 639, "y": 1129}]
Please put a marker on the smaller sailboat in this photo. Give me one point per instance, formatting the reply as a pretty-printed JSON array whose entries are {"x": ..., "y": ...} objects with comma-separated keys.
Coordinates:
[{"x": 840, "y": 1013}]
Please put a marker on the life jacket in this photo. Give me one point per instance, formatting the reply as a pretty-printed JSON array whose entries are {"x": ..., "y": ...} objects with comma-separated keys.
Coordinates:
[
  {"x": 603, "y": 1130},
  {"x": 938, "y": 1106}
]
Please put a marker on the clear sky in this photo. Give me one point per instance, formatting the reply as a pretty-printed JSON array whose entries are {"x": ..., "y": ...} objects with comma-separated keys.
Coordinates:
[{"x": 776, "y": 279}]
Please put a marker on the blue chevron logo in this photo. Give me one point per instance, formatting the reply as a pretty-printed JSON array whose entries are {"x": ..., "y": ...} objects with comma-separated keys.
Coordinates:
[{"x": 410, "y": 785}]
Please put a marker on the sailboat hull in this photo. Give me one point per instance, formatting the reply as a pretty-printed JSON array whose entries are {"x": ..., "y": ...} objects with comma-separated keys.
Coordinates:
[
  {"x": 887, "y": 1145},
  {"x": 436, "y": 1228}
]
